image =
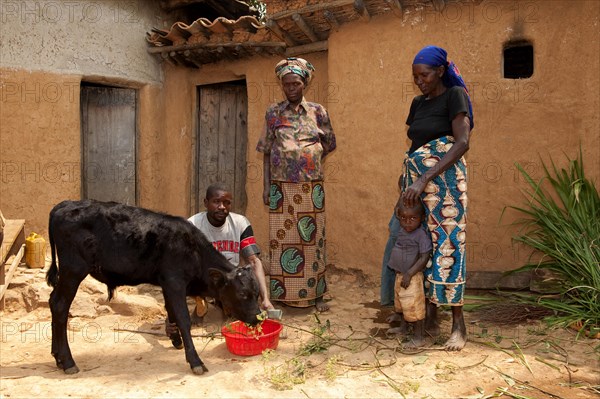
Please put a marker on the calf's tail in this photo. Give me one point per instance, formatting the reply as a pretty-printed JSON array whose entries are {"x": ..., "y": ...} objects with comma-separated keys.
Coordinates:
[{"x": 52, "y": 274}]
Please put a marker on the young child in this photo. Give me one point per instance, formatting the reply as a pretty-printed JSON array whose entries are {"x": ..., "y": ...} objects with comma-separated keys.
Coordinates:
[{"x": 409, "y": 257}]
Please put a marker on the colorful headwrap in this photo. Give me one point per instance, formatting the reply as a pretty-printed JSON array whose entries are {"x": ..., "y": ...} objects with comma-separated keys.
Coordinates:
[
  {"x": 436, "y": 56},
  {"x": 299, "y": 66}
]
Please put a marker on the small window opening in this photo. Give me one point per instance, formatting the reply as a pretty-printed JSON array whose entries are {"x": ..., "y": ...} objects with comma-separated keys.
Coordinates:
[{"x": 518, "y": 60}]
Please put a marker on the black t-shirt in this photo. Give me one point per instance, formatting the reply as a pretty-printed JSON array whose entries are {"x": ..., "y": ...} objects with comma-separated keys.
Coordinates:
[{"x": 431, "y": 119}]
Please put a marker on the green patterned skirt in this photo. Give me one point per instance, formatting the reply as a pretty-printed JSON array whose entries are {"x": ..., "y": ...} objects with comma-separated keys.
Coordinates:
[{"x": 297, "y": 242}]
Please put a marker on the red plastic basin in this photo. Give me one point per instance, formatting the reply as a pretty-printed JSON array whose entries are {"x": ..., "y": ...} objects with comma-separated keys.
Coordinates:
[{"x": 244, "y": 341}]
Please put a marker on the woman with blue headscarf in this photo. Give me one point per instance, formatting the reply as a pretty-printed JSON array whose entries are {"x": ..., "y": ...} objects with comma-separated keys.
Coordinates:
[{"x": 440, "y": 122}]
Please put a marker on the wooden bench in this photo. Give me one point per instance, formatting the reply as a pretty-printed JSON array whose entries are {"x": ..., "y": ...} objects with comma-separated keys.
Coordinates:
[{"x": 11, "y": 253}]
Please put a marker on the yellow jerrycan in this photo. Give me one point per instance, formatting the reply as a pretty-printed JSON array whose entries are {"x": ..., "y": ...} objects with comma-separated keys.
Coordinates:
[{"x": 35, "y": 251}]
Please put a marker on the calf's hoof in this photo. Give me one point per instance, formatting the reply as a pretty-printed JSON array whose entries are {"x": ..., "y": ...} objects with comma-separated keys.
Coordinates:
[
  {"x": 199, "y": 370},
  {"x": 72, "y": 370},
  {"x": 176, "y": 341}
]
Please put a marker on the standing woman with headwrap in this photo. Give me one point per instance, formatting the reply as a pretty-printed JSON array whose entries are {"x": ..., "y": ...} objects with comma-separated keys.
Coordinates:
[
  {"x": 296, "y": 138},
  {"x": 435, "y": 172}
]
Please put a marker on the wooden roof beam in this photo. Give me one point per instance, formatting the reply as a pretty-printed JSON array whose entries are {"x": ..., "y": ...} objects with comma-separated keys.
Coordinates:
[
  {"x": 165, "y": 56},
  {"x": 304, "y": 27},
  {"x": 183, "y": 47},
  {"x": 276, "y": 29},
  {"x": 396, "y": 6},
  {"x": 322, "y": 5},
  {"x": 438, "y": 4},
  {"x": 361, "y": 9},
  {"x": 191, "y": 57},
  {"x": 307, "y": 48},
  {"x": 330, "y": 17}
]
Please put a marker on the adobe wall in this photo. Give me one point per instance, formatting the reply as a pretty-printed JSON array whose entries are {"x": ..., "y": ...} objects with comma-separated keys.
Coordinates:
[
  {"x": 91, "y": 38},
  {"x": 46, "y": 50},
  {"x": 549, "y": 114},
  {"x": 40, "y": 145},
  {"x": 365, "y": 81}
]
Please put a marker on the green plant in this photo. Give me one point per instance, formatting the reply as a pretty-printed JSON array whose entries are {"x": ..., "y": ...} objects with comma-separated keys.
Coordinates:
[
  {"x": 284, "y": 377},
  {"x": 561, "y": 222},
  {"x": 321, "y": 340}
]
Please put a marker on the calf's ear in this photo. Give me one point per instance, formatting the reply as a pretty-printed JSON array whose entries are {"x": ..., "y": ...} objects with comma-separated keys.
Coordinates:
[{"x": 217, "y": 277}]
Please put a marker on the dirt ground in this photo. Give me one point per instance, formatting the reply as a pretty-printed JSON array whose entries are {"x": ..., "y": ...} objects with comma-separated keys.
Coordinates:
[{"x": 121, "y": 351}]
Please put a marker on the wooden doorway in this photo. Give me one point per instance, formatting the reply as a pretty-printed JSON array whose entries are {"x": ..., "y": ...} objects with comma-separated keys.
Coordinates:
[
  {"x": 108, "y": 130},
  {"x": 221, "y": 142}
]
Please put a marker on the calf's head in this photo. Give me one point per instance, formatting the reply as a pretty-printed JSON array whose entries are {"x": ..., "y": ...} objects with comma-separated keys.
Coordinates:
[{"x": 238, "y": 293}]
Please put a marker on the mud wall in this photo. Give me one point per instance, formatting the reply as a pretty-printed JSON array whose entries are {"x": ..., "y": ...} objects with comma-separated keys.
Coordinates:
[
  {"x": 553, "y": 112},
  {"x": 365, "y": 82},
  {"x": 47, "y": 48}
]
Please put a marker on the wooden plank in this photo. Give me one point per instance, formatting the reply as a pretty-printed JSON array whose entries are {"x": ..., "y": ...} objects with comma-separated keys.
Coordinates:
[
  {"x": 305, "y": 28},
  {"x": 14, "y": 237},
  {"x": 109, "y": 143},
  {"x": 208, "y": 144},
  {"x": 226, "y": 136},
  {"x": 307, "y": 48},
  {"x": 283, "y": 35},
  {"x": 320, "y": 6},
  {"x": 241, "y": 147},
  {"x": 15, "y": 261}
]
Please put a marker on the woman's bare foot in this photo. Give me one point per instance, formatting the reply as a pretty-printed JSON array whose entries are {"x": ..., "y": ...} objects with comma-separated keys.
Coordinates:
[
  {"x": 394, "y": 317},
  {"x": 321, "y": 305},
  {"x": 456, "y": 342},
  {"x": 458, "y": 336}
]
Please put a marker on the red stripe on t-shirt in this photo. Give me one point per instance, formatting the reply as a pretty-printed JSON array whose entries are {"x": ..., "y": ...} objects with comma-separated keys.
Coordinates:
[{"x": 247, "y": 242}]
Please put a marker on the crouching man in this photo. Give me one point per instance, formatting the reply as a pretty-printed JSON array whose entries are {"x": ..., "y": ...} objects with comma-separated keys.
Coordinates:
[{"x": 232, "y": 235}]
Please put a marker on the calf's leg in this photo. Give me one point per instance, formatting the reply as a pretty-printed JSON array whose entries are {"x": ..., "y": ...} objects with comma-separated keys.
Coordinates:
[
  {"x": 177, "y": 310},
  {"x": 60, "y": 301}
]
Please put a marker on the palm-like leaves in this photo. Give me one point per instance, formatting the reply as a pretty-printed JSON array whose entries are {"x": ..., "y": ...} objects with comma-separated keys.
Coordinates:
[{"x": 561, "y": 222}]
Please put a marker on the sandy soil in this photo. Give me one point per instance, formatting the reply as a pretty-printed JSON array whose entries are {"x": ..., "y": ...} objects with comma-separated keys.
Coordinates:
[{"x": 122, "y": 352}]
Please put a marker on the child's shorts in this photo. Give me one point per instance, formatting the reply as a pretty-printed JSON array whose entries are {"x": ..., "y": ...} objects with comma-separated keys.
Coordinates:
[{"x": 410, "y": 301}]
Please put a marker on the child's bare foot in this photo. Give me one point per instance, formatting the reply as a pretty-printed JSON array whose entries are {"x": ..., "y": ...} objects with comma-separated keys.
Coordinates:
[
  {"x": 395, "y": 316},
  {"x": 456, "y": 342},
  {"x": 321, "y": 305}
]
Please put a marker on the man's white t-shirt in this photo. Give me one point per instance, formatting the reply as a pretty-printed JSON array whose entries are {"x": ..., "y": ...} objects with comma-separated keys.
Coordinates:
[{"x": 233, "y": 238}]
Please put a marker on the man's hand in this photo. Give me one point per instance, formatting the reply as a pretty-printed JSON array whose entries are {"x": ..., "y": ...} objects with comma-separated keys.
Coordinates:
[{"x": 266, "y": 305}]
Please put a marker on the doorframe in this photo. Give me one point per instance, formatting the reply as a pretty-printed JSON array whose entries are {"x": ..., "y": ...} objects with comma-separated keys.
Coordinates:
[
  {"x": 195, "y": 195},
  {"x": 117, "y": 85}
]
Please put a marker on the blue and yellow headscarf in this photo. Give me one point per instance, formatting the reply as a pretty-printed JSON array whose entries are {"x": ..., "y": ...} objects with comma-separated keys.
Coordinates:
[
  {"x": 436, "y": 56},
  {"x": 299, "y": 66}
]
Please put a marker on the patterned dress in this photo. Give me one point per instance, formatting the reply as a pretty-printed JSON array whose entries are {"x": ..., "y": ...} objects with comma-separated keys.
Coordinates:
[
  {"x": 297, "y": 140},
  {"x": 445, "y": 200}
]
